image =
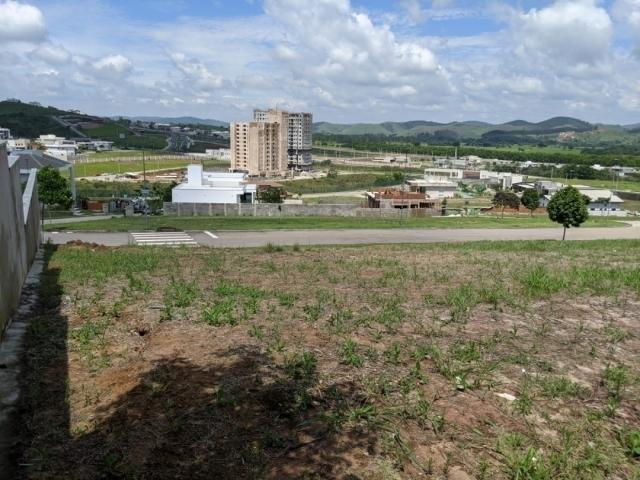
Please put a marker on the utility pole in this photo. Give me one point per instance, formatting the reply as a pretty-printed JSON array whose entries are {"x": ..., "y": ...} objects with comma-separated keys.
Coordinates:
[{"x": 144, "y": 170}]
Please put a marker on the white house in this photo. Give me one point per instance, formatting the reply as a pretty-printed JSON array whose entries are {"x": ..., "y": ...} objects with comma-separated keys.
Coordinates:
[
  {"x": 14, "y": 144},
  {"x": 58, "y": 147},
  {"x": 214, "y": 187},
  {"x": 101, "y": 146},
  {"x": 602, "y": 202}
]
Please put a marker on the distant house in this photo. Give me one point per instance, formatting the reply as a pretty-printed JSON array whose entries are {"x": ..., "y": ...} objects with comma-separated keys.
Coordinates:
[
  {"x": 602, "y": 202},
  {"x": 214, "y": 187},
  {"x": 394, "y": 198},
  {"x": 58, "y": 147},
  {"x": 5, "y": 134}
]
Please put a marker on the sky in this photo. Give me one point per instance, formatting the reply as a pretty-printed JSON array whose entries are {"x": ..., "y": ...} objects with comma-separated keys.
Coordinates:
[{"x": 343, "y": 60}]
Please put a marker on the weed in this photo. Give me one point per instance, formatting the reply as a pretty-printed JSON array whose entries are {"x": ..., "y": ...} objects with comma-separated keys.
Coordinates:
[
  {"x": 220, "y": 313},
  {"x": 539, "y": 282},
  {"x": 560, "y": 387},
  {"x": 287, "y": 299},
  {"x": 460, "y": 301},
  {"x": 180, "y": 293},
  {"x": 614, "y": 379},
  {"x": 312, "y": 312},
  {"x": 256, "y": 332},
  {"x": 630, "y": 441},
  {"x": 271, "y": 248},
  {"x": 522, "y": 463},
  {"x": 350, "y": 355},
  {"x": 301, "y": 366},
  {"x": 393, "y": 353}
]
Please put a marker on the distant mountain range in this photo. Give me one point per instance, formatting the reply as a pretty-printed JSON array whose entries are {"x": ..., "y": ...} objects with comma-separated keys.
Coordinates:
[
  {"x": 468, "y": 129},
  {"x": 182, "y": 121},
  {"x": 32, "y": 119}
]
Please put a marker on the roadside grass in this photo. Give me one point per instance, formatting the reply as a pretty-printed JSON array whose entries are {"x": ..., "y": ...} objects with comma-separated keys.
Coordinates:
[
  {"x": 301, "y": 223},
  {"x": 94, "y": 169},
  {"x": 505, "y": 360}
]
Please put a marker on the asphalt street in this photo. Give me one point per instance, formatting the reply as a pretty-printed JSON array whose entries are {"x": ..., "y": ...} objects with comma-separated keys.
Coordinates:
[{"x": 240, "y": 239}]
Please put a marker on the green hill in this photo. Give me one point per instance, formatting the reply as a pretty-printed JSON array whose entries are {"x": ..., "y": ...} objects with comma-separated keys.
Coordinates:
[
  {"x": 30, "y": 120},
  {"x": 468, "y": 129}
]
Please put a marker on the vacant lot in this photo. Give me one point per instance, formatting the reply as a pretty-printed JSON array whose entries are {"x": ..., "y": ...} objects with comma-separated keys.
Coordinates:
[{"x": 488, "y": 360}]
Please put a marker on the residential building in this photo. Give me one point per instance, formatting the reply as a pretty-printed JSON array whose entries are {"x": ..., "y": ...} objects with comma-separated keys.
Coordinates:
[
  {"x": 451, "y": 174},
  {"x": 400, "y": 199},
  {"x": 259, "y": 148},
  {"x": 14, "y": 144},
  {"x": 434, "y": 187},
  {"x": 58, "y": 147},
  {"x": 214, "y": 187},
  {"x": 5, "y": 134},
  {"x": 300, "y": 141},
  {"x": 101, "y": 146}
]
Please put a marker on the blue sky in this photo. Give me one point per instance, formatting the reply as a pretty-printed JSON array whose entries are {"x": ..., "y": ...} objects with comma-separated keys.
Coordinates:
[{"x": 343, "y": 60}]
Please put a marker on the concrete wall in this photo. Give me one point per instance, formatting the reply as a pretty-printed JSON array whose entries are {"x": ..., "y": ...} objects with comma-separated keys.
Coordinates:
[
  {"x": 19, "y": 234},
  {"x": 282, "y": 210}
]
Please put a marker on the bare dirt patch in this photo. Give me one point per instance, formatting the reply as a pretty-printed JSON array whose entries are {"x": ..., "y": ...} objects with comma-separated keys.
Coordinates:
[{"x": 483, "y": 361}]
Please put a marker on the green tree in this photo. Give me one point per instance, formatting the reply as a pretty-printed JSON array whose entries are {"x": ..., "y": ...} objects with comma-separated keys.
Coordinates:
[
  {"x": 53, "y": 188},
  {"x": 530, "y": 200},
  {"x": 270, "y": 195},
  {"x": 504, "y": 199},
  {"x": 568, "y": 208}
]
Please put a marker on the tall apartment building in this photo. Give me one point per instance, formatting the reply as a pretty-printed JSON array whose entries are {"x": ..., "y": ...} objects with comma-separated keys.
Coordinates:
[
  {"x": 273, "y": 143},
  {"x": 299, "y": 136},
  {"x": 260, "y": 147}
]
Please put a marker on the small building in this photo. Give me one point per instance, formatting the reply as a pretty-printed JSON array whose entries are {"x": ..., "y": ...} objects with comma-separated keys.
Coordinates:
[
  {"x": 214, "y": 187},
  {"x": 223, "y": 154},
  {"x": 453, "y": 174},
  {"x": 434, "y": 187},
  {"x": 101, "y": 146},
  {"x": 14, "y": 144},
  {"x": 394, "y": 198},
  {"x": 5, "y": 134}
]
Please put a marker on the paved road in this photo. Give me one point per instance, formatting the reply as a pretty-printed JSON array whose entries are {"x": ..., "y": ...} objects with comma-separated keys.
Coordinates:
[{"x": 361, "y": 236}]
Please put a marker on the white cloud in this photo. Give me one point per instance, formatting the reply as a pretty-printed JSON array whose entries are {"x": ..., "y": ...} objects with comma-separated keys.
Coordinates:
[
  {"x": 568, "y": 32},
  {"x": 112, "y": 67},
  {"x": 414, "y": 9},
  {"x": 627, "y": 12},
  {"x": 197, "y": 72},
  {"x": 52, "y": 54},
  {"x": 341, "y": 51},
  {"x": 21, "y": 22}
]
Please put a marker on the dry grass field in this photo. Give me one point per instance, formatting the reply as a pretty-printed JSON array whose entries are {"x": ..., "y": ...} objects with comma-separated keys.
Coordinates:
[{"x": 514, "y": 360}]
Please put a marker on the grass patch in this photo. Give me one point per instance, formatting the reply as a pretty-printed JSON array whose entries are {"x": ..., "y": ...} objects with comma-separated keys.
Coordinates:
[{"x": 303, "y": 223}]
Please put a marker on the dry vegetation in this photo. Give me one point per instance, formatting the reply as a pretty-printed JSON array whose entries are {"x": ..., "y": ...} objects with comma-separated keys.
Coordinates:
[{"x": 489, "y": 360}]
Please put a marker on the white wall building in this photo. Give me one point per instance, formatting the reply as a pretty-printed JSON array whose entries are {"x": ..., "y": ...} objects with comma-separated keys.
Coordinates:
[
  {"x": 214, "y": 187},
  {"x": 14, "y": 144},
  {"x": 507, "y": 179},
  {"x": 223, "y": 154},
  {"x": 58, "y": 147}
]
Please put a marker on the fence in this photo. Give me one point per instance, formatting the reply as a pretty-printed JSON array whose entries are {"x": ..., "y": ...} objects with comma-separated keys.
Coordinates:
[
  {"x": 82, "y": 159},
  {"x": 19, "y": 233},
  {"x": 289, "y": 210}
]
